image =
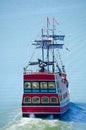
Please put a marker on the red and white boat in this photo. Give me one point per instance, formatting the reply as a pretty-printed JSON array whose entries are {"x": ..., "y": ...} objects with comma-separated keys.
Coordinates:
[{"x": 46, "y": 89}]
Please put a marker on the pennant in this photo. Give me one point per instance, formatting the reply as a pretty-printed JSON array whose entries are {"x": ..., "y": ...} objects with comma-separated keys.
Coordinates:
[
  {"x": 55, "y": 21},
  {"x": 67, "y": 49}
]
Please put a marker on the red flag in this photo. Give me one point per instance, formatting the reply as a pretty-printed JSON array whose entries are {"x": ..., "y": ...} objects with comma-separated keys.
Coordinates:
[
  {"x": 48, "y": 21},
  {"x": 55, "y": 21}
]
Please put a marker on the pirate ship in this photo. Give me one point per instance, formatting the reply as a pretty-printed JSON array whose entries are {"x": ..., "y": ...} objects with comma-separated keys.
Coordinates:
[{"x": 46, "y": 89}]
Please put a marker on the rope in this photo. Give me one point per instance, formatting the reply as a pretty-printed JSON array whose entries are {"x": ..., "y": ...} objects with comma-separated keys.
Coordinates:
[
  {"x": 63, "y": 69},
  {"x": 31, "y": 58},
  {"x": 59, "y": 57},
  {"x": 33, "y": 54}
]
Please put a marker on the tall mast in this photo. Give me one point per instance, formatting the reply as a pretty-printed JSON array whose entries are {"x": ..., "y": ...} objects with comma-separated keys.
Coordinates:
[
  {"x": 53, "y": 46},
  {"x": 42, "y": 47},
  {"x": 48, "y": 22},
  {"x": 47, "y": 42}
]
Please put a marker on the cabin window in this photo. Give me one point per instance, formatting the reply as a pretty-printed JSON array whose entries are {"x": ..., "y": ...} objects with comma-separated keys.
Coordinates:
[
  {"x": 43, "y": 85},
  {"x": 27, "y": 85},
  {"x": 36, "y": 100},
  {"x": 45, "y": 99},
  {"x": 27, "y": 99},
  {"x": 51, "y": 85},
  {"x": 35, "y": 85},
  {"x": 53, "y": 100}
]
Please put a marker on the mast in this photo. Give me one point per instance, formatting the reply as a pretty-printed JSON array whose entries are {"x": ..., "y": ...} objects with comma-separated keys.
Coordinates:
[
  {"x": 53, "y": 47},
  {"x": 47, "y": 42},
  {"x": 48, "y": 22},
  {"x": 42, "y": 47}
]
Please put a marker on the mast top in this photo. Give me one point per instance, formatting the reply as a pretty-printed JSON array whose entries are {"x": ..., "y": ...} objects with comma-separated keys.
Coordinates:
[{"x": 48, "y": 41}]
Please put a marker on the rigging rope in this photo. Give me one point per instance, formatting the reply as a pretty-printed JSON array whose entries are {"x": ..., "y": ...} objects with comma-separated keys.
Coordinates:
[
  {"x": 63, "y": 69},
  {"x": 31, "y": 58},
  {"x": 59, "y": 57}
]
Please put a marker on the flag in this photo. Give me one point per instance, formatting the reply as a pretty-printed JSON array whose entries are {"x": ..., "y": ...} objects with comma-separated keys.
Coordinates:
[
  {"x": 48, "y": 21},
  {"x": 67, "y": 49},
  {"x": 55, "y": 21}
]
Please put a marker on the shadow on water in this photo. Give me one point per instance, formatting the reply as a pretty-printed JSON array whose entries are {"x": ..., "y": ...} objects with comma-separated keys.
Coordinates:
[{"x": 76, "y": 113}]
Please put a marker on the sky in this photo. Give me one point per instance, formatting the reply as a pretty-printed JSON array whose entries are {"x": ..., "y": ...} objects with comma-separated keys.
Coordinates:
[{"x": 21, "y": 22}]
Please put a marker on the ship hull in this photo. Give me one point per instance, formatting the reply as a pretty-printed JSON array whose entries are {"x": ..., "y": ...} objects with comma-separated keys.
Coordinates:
[
  {"x": 45, "y": 95},
  {"x": 44, "y": 111}
]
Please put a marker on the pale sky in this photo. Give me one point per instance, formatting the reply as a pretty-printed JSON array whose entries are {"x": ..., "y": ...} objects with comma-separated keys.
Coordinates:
[{"x": 21, "y": 22}]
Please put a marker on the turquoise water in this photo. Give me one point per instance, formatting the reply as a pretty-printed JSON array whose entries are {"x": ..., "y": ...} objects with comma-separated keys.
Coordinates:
[{"x": 74, "y": 119}]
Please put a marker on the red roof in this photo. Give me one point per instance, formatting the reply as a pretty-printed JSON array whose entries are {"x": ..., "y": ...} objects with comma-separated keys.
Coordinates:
[{"x": 39, "y": 76}]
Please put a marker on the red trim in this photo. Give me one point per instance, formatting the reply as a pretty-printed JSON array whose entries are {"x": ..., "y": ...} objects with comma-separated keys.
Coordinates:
[
  {"x": 45, "y": 109},
  {"x": 40, "y": 94},
  {"x": 39, "y": 76},
  {"x": 41, "y": 109}
]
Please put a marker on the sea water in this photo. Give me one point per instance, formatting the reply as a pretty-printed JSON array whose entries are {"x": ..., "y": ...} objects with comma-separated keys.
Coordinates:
[
  {"x": 75, "y": 119},
  {"x": 11, "y": 114}
]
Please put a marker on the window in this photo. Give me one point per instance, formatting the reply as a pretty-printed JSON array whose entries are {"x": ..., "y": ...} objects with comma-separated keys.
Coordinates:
[
  {"x": 43, "y": 85},
  {"x": 51, "y": 85},
  {"x": 53, "y": 100},
  {"x": 35, "y": 85},
  {"x": 36, "y": 100},
  {"x": 27, "y": 100},
  {"x": 27, "y": 85},
  {"x": 45, "y": 99}
]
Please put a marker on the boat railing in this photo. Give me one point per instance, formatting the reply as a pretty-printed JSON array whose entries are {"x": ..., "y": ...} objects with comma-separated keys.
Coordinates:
[{"x": 30, "y": 71}]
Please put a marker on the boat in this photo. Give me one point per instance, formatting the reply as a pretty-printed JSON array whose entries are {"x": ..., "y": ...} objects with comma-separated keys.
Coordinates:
[{"x": 46, "y": 89}]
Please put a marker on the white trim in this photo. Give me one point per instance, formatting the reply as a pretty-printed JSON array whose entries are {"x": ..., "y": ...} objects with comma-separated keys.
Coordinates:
[
  {"x": 41, "y": 93},
  {"x": 37, "y": 80},
  {"x": 40, "y": 106},
  {"x": 45, "y": 106}
]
